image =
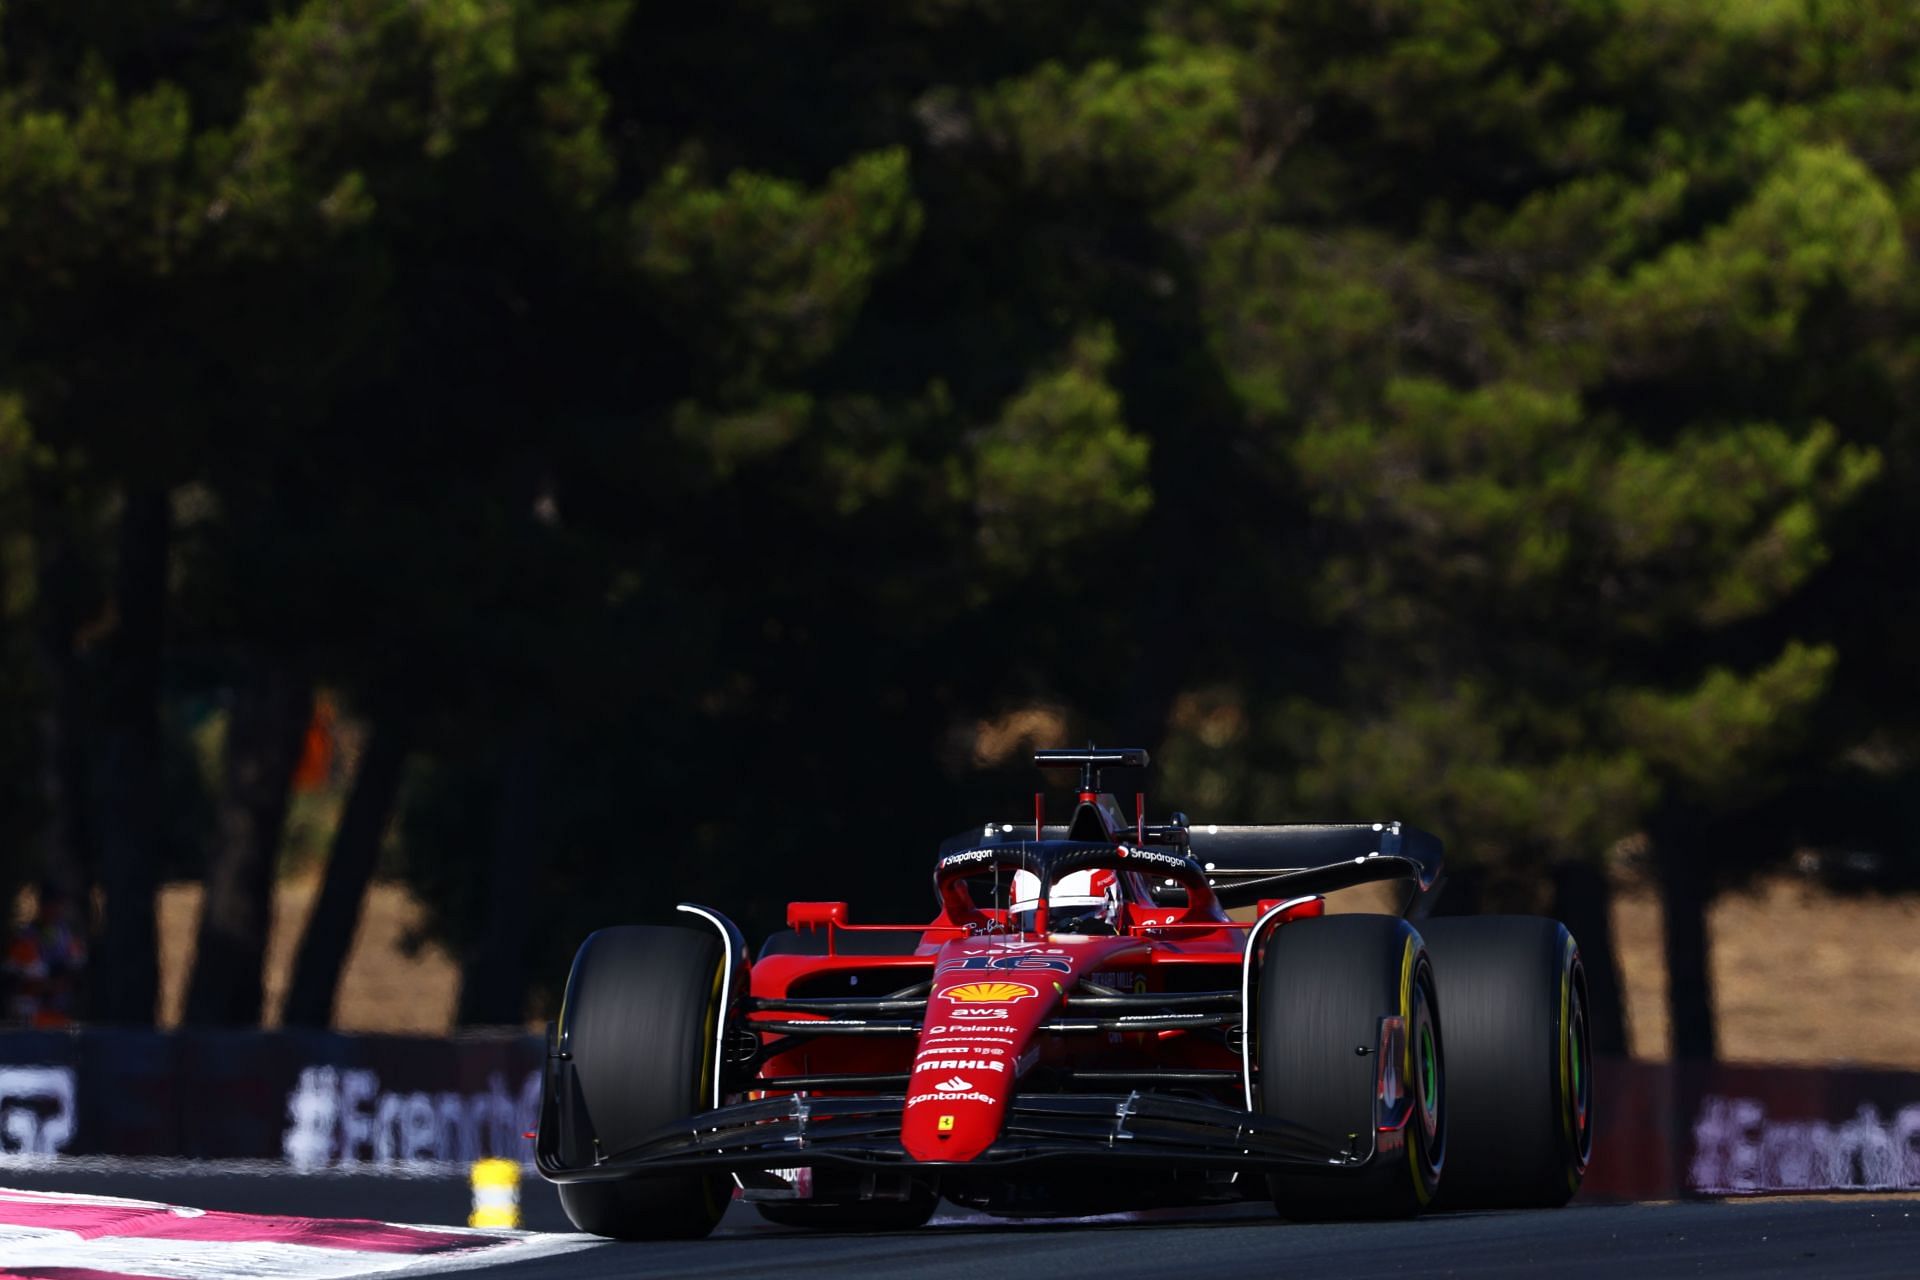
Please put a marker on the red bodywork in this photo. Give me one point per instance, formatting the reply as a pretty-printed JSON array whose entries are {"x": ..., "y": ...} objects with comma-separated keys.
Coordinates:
[
  {"x": 995, "y": 986},
  {"x": 1030, "y": 1060}
]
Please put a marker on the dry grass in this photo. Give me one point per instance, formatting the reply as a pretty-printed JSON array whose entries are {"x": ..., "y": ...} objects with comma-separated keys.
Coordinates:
[
  {"x": 382, "y": 990},
  {"x": 1802, "y": 975}
]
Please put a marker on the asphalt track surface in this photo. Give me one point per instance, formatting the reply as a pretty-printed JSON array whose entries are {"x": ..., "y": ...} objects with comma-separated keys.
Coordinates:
[
  {"x": 1850, "y": 1238},
  {"x": 1860, "y": 1236}
]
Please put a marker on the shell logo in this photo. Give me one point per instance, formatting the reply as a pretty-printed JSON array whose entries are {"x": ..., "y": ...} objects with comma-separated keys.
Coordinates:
[{"x": 989, "y": 992}]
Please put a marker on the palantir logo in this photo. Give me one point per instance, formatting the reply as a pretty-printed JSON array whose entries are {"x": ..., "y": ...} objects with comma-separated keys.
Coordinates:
[{"x": 36, "y": 1110}]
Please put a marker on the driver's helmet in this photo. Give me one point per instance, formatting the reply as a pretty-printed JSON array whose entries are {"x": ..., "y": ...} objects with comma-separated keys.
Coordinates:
[{"x": 1078, "y": 899}]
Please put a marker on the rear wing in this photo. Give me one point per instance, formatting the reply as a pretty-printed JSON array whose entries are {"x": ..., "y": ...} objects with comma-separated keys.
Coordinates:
[
  {"x": 1246, "y": 864},
  {"x": 1250, "y": 863}
]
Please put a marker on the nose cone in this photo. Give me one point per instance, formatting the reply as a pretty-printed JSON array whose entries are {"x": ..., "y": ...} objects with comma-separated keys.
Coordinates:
[
  {"x": 970, "y": 1048},
  {"x": 990, "y": 996}
]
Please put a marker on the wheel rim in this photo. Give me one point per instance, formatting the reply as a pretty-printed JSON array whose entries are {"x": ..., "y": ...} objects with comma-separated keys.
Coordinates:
[
  {"x": 1429, "y": 1074},
  {"x": 1580, "y": 1062},
  {"x": 1429, "y": 1065}
]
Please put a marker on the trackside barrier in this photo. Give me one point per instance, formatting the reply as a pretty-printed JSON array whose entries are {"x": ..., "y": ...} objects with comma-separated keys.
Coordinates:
[
  {"x": 314, "y": 1101},
  {"x": 310, "y": 1100},
  {"x": 1667, "y": 1130}
]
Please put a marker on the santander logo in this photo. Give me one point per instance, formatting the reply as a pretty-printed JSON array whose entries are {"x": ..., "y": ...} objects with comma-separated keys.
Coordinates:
[{"x": 954, "y": 1084}]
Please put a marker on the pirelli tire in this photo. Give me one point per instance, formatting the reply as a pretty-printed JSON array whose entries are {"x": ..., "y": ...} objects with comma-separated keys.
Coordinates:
[
  {"x": 638, "y": 1022},
  {"x": 1325, "y": 985},
  {"x": 1521, "y": 1105}
]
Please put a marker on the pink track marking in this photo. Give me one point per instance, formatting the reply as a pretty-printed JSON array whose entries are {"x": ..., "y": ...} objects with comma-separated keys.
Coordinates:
[
  {"x": 70, "y": 1273},
  {"x": 93, "y": 1221}
]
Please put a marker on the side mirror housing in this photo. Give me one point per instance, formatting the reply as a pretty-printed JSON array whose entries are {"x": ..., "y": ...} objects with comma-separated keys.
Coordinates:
[{"x": 814, "y": 915}]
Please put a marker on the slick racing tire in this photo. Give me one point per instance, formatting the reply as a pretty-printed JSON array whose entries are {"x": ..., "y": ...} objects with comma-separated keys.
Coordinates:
[
  {"x": 1521, "y": 1063},
  {"x": 1325, "y": 984},
  {"x": 855, "y": 1215},
  {"x": 638, "y": 1020}
]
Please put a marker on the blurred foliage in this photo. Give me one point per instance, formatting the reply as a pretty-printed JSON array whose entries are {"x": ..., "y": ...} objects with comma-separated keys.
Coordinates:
[{"x": 716, "y": 418}]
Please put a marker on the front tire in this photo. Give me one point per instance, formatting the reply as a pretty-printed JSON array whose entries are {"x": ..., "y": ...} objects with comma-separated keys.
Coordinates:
[
  {"x": 1522, "y": 1104},
  {"x": 1324, "y": 986},
  {"x": 638, "y": 1022}
]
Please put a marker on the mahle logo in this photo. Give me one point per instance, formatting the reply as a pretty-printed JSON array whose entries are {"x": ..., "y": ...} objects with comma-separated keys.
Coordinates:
[{"x": 960, "y": 1064}]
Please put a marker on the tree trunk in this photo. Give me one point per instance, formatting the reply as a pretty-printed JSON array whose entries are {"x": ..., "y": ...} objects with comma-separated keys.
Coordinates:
[
  {"x": 350, "y": 865},
  {"x": 1684, "y": 897},
  {"x": 70, "y": 858},
  {"x": 493, "y": 986},
  {"x": 1581, "y": 898},
  {"x": 124, "y": 981},
  {"x": 267, "y": 723}
]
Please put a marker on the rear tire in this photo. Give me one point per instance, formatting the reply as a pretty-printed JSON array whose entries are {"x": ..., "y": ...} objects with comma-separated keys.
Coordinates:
[
  {"x": 856, "y": 1215},
  {"x": 1324, "y": 986},
  {"x": 638, "y": 1021},
  {"x": 1522, "y": 1102}
]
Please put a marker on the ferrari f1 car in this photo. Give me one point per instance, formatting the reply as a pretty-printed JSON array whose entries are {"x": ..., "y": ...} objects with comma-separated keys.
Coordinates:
[{"x": 1105, "y": 1015}]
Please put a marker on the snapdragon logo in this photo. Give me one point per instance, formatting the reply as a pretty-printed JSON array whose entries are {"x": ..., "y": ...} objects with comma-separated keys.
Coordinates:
[
  {"x": 343, "y": 1117},
  {"x": 36, "y": 1110},
  {"x": 1737, "y": 1146},
  {"x": 1168, "y": 860}
]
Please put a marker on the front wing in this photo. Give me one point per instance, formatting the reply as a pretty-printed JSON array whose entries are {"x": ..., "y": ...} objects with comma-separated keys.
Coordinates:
[{"x": 862, "y": 1131}]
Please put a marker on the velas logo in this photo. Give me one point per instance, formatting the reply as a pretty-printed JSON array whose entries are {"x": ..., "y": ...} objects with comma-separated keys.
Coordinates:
[
  {"x": 979, "y": 1013},
  {"x": 989, "y": 993},
  {"x": 1002, "y": 948}
]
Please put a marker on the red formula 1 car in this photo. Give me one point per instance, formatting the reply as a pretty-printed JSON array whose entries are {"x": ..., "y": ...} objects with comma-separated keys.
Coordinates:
[{"x": 1082, "y": 1028}]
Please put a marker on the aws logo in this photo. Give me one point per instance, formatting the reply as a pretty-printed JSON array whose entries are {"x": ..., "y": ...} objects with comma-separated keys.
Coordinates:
[{"x": 1018, "y": 964}]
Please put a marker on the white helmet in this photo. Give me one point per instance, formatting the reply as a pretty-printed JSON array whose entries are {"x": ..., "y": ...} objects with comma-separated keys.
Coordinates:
[{"x": 1078, "y": 895}]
